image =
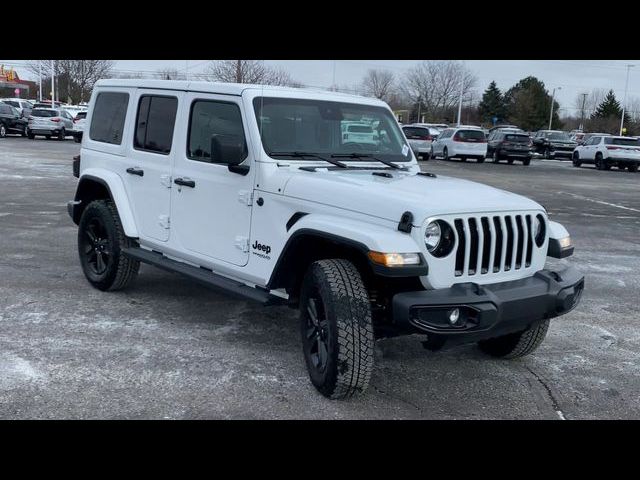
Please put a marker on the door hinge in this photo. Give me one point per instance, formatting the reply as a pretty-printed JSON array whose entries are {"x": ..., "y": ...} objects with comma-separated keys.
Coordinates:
[
  {"x": 164, "y": 221},
  {"x": 242, "y": 243},
  {"x": 245, "y": 197},
  {"x": 165, "y": 180}
]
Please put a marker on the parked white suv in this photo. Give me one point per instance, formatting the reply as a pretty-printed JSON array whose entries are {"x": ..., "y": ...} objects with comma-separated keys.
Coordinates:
[
  {"x": 607, "y": 151},
  {"x": 253, "y": 190},
  {"x": 460, "y": 142},
  {"x": 420, "y": 138}
]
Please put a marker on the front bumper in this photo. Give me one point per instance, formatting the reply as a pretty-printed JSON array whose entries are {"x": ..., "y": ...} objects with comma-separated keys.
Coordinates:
[
  {"x": 516, "y": 153},
  {"x": 488, "y": 311},
  {"x": 555, "y": 152}
]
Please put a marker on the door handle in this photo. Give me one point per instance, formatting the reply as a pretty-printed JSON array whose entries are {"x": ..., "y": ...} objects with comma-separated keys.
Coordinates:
[
  {"x": 185, "y": 182},
  {"x": 135, "y": 171}
]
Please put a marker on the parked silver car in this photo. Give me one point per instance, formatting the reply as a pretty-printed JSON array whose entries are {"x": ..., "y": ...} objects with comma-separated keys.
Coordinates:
[
  {"x": 50, "y": 122},
  {"x": 420, "y": 139}
]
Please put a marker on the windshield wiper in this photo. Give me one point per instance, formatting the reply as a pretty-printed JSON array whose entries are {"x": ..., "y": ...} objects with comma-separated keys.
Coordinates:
[
  {"x": 307, "y": 154},
  {"x": 366, "y": 155}
]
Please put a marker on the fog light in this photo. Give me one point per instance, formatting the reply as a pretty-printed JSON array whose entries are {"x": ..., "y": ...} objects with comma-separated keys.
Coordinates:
[{"x": 454, "y": 315}]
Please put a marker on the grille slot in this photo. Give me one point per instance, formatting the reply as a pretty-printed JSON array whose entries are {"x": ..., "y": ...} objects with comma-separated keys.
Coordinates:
[{"x": 493, "y": 244}]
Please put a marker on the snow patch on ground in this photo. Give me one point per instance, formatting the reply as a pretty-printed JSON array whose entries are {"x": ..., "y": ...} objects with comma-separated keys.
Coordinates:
[{"x": 16, "y": 371}]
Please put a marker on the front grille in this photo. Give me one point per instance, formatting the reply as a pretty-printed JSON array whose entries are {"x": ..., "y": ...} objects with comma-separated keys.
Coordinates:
[{"x": 493, "y": 244}]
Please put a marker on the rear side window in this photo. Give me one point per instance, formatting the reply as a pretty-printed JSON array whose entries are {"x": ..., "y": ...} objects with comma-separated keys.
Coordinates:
[
  {"x": 109, "y": 113},
  {"x": 12, "y": 103},
  {"x": 6, "y": 109},
  {"x": 446, "y": 134},
  {"x": 44, "y": 113},
  {"x": 630, "y": 142},
  {"x": 416, "y": 133},
  {"x": 155, "y": 122},
  {"x": 81, "y": 115},
  {"x": 211, "y": 120}
]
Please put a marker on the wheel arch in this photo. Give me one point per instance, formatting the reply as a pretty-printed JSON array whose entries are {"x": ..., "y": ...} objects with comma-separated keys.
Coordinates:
[
  {"x": 94, "y": 185},
  {"x": 319, "y": 238}
]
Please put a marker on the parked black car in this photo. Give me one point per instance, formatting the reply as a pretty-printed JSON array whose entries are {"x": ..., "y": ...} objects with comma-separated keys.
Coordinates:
[
  {"x": 11, "y": 121},
  {"x": 553, "y": 144},
  {"x": 511, "y": 146}
]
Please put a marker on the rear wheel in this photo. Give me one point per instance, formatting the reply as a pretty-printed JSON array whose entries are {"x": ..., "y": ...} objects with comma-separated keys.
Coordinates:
[
  {"x": 48, "y": 137},
  {"x": 30, "y": 135},
  {"x": 426, "y": 156},
  {"x": 526, "y": 162},
  {"x": 445, "y": 154},
  {"x": 463, "y": 159},
  {"x": 510, "y": 161},
  {"x": 480, "y": 159},
  {"x": 633, "y": 167},
  {"x": 100, "y": 243},
  {"x": 3, "y": 131},
  {"x": 24, "y": 131},
  {"x": 517, "y": 344},
  {"x": 77, "y": 139},
  {"x": 601, "y": 164},
  {"x": 336, "y": 328},
  {"x": 496, "y": 157},
  {"x": 62, "y": 134},
  {"x": 547, "y": 153}
]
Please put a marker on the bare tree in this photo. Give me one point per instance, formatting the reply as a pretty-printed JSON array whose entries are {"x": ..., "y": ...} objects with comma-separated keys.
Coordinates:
[
  {"x": 248, "y": 71},
  {"x": 75, "y": 78},
  {"x": 170, "y": 74},
  {"x": 436, "y": 86},
  {"x": 379, "y": 84}
]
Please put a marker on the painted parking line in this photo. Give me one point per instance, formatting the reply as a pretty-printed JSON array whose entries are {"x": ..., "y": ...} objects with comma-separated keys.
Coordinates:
[{"x": 601, "y": 202}]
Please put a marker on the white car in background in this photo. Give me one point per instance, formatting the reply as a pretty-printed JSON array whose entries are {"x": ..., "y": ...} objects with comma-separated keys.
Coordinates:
[
  {"x": 420, "y": 138},
  {"x": 78, "y": 126},
  {"x": 23, "y": 106},
  {"x": 359, "y": 133},
  {"x": 460, "y": 142},
  {"x": 606, "y": 151}
]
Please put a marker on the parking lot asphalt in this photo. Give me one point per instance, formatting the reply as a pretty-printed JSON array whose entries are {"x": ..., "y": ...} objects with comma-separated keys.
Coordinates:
[{"x": 168, "y": 348}]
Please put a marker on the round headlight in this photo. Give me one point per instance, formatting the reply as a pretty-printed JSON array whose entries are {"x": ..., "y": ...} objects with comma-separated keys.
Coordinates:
[
  {"x": 432, "y": 236},
  {"x": 539, "y": 230}
]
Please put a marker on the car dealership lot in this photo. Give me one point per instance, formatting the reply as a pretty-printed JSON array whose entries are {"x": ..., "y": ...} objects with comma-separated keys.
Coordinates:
[{"x": 170, "y": 348}]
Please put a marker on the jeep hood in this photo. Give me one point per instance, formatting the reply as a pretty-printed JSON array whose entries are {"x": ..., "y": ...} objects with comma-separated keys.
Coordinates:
[{"x": 389, "y": 198}]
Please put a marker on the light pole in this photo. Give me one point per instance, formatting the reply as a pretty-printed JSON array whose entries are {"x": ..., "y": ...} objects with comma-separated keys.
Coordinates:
[
  {"x": 53, "y": 92},
  {"x": 40, "y": 78},
  {"x": 624, "y": 102},
  {"x": 584, "y": 99},
  {"x": 460, "y": 101},
  {"x": 553, "y": 95}
]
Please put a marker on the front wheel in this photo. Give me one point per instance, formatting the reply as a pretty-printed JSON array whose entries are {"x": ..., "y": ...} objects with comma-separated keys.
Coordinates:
[
  {"x": 77, "y": 139},
  {"x": 30, "y": 135},
  {"x": 426, "y": 156},
  {"x": 632, "y": 167},
  {"x": 445, "y": 154},
  {"x": 3, "y": 131},
  {"x": 517, "y": 344},
  {"x": 62, "y": 135},
  {"x": 101, "y": 239},
  {"x": 496, "y": 157},
  {"x": 336, "y": 327},
  {"x": 547, "y": 153},
  {"x": 24, "y": 132},
  {"x": 480, "y": 159},
  {"x": 576, "y": 160},
  {"x": 526, "y": 162}
]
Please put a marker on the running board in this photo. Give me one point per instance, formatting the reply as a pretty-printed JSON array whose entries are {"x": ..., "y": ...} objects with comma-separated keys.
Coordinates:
[{"x": 204, "y": 276}]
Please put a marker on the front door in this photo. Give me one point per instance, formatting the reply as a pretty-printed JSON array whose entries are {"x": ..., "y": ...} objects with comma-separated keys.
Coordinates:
[
  {"x": 210, "y": 205},
  {"x": 150, "y": 155}
]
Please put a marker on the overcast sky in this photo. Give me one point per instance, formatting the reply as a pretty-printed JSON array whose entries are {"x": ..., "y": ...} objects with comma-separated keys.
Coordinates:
[{"x": 573, "y": 76}]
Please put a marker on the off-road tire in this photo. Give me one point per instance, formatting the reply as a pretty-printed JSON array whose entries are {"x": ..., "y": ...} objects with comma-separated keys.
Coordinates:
[
  {"x": 343, "y": 310},
  {"x": 517, "y": 344},
  {"x": 120, "y": 270}
]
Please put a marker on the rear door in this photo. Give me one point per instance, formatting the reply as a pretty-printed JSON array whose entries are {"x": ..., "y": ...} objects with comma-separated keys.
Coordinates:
[{"x": 150, "y": 157}]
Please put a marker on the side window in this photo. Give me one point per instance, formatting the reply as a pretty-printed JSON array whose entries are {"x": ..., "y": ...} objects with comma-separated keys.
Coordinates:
[
  {"x": 154, "y": 123},
  {"x": 212, "y": 126},
  {"x": 446, "y": 134},
  {"x": 5, "y": 109},
  {"x": 109, "y": 113}
]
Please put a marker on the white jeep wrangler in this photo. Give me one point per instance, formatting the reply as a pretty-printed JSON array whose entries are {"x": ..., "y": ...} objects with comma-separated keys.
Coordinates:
[{"x": 257, "y": 191}]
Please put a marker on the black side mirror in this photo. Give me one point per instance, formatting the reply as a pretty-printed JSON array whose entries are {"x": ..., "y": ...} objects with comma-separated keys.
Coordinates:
[{"x": 229, "y": 149}]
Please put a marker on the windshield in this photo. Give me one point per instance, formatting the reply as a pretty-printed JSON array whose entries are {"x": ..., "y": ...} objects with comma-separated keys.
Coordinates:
[
  {"x": 558, "y": 136},
  {"x": 325, "y": 128},
  {"x": 632, "y": 142}
]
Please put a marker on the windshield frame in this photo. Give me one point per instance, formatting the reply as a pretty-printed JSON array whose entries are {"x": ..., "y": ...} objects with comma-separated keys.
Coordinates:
[{"x": 404, "y": 156}]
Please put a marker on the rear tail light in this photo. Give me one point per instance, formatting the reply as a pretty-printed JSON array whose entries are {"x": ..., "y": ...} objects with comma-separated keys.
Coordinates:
[
  {"x": 456, "y": 138},
  {"x": 612, "y": 148},
  {"x": 55, "y": 119}
]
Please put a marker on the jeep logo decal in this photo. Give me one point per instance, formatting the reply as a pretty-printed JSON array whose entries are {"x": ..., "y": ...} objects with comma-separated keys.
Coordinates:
[{"x": 263, "y": 248}]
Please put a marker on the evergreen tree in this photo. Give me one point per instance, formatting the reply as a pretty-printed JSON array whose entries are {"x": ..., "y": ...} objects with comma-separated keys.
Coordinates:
[
  {"x": 610, "y": 107},
  {"x": 528, "y": 104},
  {"x": 492, "y": 104}
]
